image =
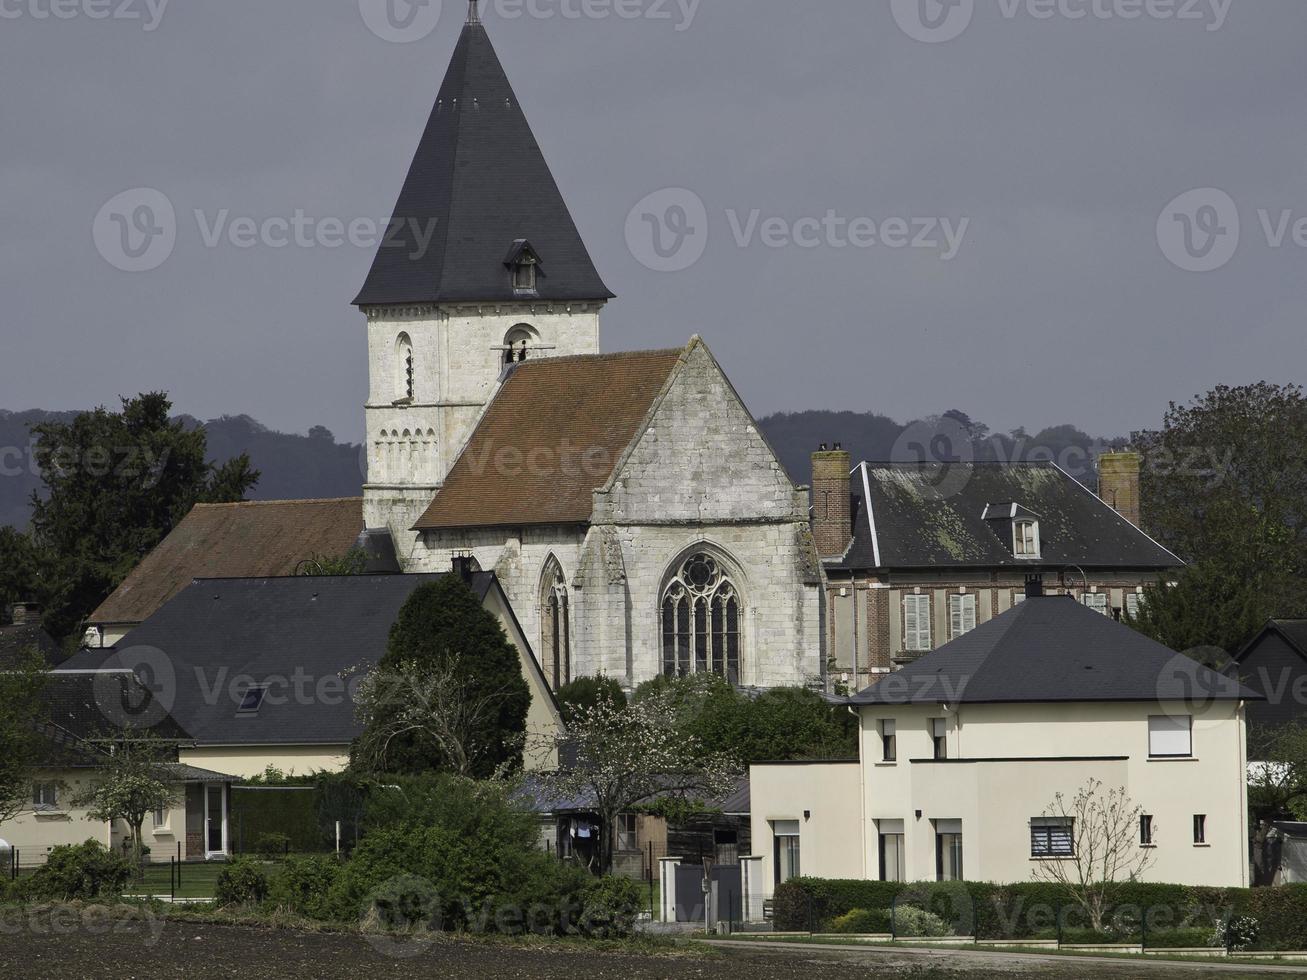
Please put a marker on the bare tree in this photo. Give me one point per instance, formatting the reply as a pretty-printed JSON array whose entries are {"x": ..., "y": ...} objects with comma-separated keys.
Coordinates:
[
  {"x": 434, "y": 707},
  {"x": 1106, "y": 850},
  {"x": 620, "y": 756}
]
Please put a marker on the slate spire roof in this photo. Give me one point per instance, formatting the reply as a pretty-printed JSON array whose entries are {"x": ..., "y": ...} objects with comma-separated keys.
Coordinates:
[
  {"x": 478, "y": 184},
  {"x": 1052, "y": 649}
]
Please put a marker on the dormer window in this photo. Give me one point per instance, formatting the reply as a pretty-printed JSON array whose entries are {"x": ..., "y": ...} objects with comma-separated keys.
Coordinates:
[
  {"x": 1025, "y": 535},
  {"x": 523, "y": 265}
]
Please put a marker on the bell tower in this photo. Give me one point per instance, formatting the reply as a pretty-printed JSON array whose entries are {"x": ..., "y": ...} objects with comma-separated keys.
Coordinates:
[{"x": 482, "y": 267}]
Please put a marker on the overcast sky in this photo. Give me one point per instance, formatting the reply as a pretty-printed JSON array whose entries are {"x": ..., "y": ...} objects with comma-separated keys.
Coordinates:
[{"x": 1050, "y": 145}]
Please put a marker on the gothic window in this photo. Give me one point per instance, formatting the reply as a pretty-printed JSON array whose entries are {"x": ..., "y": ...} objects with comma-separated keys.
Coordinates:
[
  {"x": 701, "y": 621},
  {"x": 404, "y": 367},
  {"x": 555, "y": 626},
  {"x": 518, "y": 343}
]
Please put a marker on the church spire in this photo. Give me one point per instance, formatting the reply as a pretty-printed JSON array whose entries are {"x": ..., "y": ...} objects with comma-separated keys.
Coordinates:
[
  {"x": 478, "y": 187},
  {"x": 474, "y": 11}
]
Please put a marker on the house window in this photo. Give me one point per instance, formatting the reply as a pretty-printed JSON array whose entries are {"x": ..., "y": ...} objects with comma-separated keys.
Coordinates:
[
  {"x": 948, "y": 850},
  {"x": 939, "y": 735},
  {"x": 916, "y": 623},
  {"x": 889, "y": 749},
  {"x": 1146, "y": 830},
  {"x": 45, "y": 796},
  {"x": 1025, "y": 539},
  {"x": 1018, "y": 598},
  {"x": 161, "y": 818},
  {"x": 893, "y": 854},
  {"x": 626, "y": 839},
  {"x": 1200, "y": 828},
  {"x": 786, "y": 856},
  {"x": 962, "y": 614},
  {"x": 1096, "y": 601},
  {"x": 404, "y": 367},
  {"x": 1170, "y": 737},
  {"x": 701, "y": 612},
  {"x": 251, "y": 701},
  {"x": 1133, "y": 600},
  {"x": 555, "y": 625},
  {"x": 1052, "y": 837}
]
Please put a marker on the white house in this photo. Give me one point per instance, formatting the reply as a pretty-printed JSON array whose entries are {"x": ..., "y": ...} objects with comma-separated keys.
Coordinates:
[{"x": 963, "y": 752}]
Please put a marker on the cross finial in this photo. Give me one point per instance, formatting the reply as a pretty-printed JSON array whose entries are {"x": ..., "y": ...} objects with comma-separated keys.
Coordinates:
[{"x": 474, "y": 12}]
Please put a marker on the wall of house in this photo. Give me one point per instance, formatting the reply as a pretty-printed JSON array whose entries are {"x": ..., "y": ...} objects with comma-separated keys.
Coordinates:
[
  {"x": 1000, "y": 783},
  {"x": 864, "y": 621},
  {"x": 830, "y": 836},
  {"x": 35, "y": 833},
  {"x": 1273, "y": 668},
  {"x": 248, "y": 761}
]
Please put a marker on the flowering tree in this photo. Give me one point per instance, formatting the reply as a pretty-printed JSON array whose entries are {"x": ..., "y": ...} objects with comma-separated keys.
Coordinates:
[
  {"x": 618, "y": 757},
  {"x": 433, "y": 709},
  {"x": 134, "y": 781},
  {"x": 1105, "y": 848}
]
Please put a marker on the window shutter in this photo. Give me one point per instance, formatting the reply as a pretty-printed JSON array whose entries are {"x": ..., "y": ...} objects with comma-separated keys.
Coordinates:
[
  {"x": 1170, "y": 737},
  {"x": 916, "y": 622}
]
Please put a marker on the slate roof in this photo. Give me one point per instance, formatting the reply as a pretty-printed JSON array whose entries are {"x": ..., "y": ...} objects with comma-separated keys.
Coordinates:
[
  {"x": 925, "y": 517},
  {"x": 1294, "y": 632},
  {"x": 1052, "y": 649},
  {"x": 552, "y": 435},
  {"x": 81, "y": 708},
  {"x": 14, "y": 640},
  {"x": 293, "y": 632},
  {"x": 255, "y": 539},
  {"x": 478, "y": 184}
]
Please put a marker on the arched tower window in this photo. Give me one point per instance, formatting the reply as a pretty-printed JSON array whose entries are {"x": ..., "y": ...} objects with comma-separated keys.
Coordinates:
[
  {"x": 404, "y": 367},
  {"x": 518, "y": 343},
  {"x": 701, "y": 611},
  {"x": 555, "y": 626}
]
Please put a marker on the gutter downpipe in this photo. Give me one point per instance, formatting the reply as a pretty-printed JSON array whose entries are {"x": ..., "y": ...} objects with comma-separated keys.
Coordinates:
[{"x": 862, "y": 793}]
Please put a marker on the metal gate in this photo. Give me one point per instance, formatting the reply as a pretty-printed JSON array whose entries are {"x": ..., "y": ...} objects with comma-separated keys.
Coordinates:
[{"x": 690, "y": 897}]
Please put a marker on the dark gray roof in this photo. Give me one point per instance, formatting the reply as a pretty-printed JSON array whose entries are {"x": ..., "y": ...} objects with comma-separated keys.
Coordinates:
[
  {"x": 925, "y": 516},
  {"x": 14, "y": 640},
  {"x": 1294, "y": 632},
  {"x": 480, "y": 177},
  {"x": 292, "y": 633},
  {"x": 1052, "y": 649},
  {"x": 82, "y": 708}
]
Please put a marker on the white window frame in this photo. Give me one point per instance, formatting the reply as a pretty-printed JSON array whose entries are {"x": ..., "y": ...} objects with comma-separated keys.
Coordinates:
[
  {"x": 1146, "y": 830},
  {"x": 45, "y": 796},
  {"x": 961, "y": 614},
  {"x": 1045, "y": 827},
  {"x": 889, "y": 742},
  {"x": 1097, "y": 601},
  {"x": 1170, "y": 737},
  {"x": 1200, "y": 829},
  {"x": 939, "y": 738},
  {"x": 916, "y": 624},
  {"x": 160, "y": 819},
  {"x": 1024, "y": 546}
]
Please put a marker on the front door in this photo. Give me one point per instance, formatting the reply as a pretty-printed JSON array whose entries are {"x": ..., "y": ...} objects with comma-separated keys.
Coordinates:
[{"x": 215, "y": 820}]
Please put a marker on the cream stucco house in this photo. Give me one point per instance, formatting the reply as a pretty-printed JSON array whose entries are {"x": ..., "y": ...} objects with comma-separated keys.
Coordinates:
[{"x": 963, "y": 752}]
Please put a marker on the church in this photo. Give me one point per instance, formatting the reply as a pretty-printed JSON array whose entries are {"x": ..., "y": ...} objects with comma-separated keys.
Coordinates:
[{"x": 637, "y": 518}]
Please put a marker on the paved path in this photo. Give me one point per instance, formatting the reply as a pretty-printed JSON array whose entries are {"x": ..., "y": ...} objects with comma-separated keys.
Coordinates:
[{"x": 971, "y": 958}]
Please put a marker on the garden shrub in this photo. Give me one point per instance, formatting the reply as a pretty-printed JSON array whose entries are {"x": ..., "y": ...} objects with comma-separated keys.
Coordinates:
[
  {"x": 303, "y": 885},
  {"x": 242, "y": 882},
  {"x": 1236, "y": 933},
  {"x": 611, "y": 907},
  {"x": 861, "y": 922},
  {"x": 81, "y": 871},
  {"x": 272, "y": 846},
  {"x": 910, "y": 922},
  {"x": 1189, "y": 938}
]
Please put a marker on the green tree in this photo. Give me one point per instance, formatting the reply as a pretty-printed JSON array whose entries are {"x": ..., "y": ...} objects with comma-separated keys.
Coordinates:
[
  {"x": 1225, "y": 488},
  {"x": 19, "y": 573},
  {"x": 586, "y": 692},
  {"x": 352, "y": 562},
  {"x": 1205, "y": 607},
  {"x": 116, "y": 483},
  {"x": 1277, "y": 788},
  {"x": 449, "y": 658},
  {"x": 22, "y": 681},
  {"x": 133, "y": 781}
]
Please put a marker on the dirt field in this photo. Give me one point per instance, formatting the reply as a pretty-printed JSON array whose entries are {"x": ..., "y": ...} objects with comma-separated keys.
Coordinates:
[{"x": 74, "y": 949}]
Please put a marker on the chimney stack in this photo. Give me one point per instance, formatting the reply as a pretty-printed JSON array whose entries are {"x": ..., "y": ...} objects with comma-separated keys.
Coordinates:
[
  {"x": 832, "y": 523},
  {"x": 26, "y": 612},
  {"x": 1118, "y": 483}
]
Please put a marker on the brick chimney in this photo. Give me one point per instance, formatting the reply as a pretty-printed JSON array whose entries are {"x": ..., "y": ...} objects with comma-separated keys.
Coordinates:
[
  {"x": 1118, "y": 483},
  {"x": 26, "y": 612},
  {"x": 832, "y": 525}
]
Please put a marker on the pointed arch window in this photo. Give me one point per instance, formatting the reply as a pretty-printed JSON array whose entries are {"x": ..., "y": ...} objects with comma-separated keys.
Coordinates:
[
  {"x": 701, "y": 621},
  {"x": 404, "y": 367},
  {"x": 555, "y": 626}
]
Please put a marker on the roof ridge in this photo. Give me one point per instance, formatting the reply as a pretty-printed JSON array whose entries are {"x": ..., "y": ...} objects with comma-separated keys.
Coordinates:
[
  {"x": 283, "y": 503},
  {"x": 613, "y": 356}
]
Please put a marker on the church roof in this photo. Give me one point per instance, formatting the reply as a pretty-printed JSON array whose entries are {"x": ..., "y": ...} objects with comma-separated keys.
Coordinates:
[
  {"x": 552, "y": 436},
  {"x": 479, "y": 185},
  {"x": 262, "y": 538}
]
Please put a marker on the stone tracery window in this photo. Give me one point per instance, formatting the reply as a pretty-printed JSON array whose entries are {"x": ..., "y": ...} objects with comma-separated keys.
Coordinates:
[
  {"x": 701, "y": 621},
  {"x": 555, "y": 626},
  {"x": 404, "y": 367}
]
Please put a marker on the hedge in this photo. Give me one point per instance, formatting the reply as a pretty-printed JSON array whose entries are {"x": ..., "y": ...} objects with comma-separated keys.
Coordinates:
[
  {"x": 259, "y": 814},
  {"x": 1031, "y": 910}
]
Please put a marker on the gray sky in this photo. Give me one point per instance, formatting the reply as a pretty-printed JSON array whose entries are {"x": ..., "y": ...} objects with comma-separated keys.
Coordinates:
[{"x": 1058, "y": 140}]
